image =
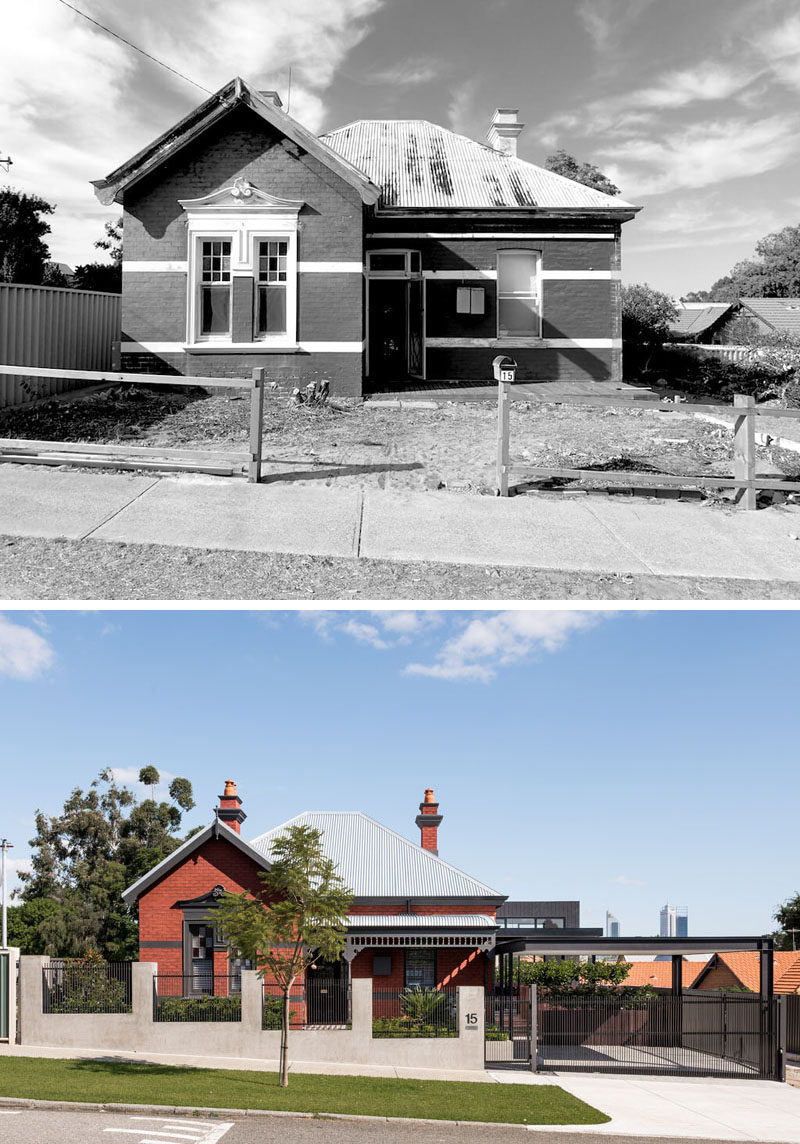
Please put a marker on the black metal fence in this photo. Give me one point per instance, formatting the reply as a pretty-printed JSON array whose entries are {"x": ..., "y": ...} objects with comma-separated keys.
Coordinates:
[
  {"x": 791, "y": 1009},
  {"x": 86, "y": 986},
  {"x": 317, "y": 1002},
  {"x": 507, "y": 1027},
  {"x": 213, "y": 997},
  {"x": 699, "y": 1034},
  {"x": 415, "y": 1012}
]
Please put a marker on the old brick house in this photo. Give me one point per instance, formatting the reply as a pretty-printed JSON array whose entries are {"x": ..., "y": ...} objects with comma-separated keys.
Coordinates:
[
  {"x": 414, "y": 920},
  {"x": 385, "y": 252}
]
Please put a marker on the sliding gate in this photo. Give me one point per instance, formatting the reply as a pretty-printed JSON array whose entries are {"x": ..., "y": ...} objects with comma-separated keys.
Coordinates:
[{"x": 698, "y": 1034}]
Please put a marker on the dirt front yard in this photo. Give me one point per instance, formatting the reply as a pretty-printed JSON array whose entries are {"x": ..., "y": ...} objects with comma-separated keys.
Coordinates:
[{"x": 449, "y": 446}]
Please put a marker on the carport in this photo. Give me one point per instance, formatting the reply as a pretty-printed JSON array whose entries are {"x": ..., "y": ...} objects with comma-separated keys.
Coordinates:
[{"x": 680, "y": 1032}]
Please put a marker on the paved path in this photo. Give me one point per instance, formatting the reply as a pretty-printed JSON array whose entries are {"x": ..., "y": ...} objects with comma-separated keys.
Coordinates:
[{"x": 592, "y": 534}]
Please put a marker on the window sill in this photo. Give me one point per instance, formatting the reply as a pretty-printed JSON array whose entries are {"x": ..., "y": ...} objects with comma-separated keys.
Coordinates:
[{"x": 241, "y": 347}]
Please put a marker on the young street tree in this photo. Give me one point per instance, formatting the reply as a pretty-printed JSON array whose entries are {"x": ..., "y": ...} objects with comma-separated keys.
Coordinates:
[
  {"x": 561, "y": 163},
  {"x": 84, "y": 857},
  {"x": 297, "y": 920}
]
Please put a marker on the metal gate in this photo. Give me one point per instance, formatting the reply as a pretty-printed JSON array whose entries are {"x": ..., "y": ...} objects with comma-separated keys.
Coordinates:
[
  {"x": 7, "y": 983},
  {"x": 709, "y": 1034},
  {"x": 508, "y": 1029}
]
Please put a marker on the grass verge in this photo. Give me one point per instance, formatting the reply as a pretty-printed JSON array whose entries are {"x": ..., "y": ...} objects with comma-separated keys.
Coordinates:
[{"x": 129, "y": 1082}]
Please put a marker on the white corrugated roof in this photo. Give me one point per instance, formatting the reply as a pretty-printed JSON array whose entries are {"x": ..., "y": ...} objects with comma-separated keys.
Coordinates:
[
  {"x": 421, "y": 921},
  {"x": 377, "y": 862},
  {"x": 419, "y": 164}
]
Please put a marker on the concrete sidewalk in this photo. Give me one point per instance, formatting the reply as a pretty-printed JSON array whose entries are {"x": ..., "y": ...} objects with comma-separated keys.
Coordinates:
[
  {"x": 638, "y": 1105},
  {"x": 593, "y": 534}
]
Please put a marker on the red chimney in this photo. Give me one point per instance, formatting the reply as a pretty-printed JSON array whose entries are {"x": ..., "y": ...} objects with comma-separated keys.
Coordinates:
[
  {"x": 230, "y": 807},
  {"x": 428, "y": 821}
]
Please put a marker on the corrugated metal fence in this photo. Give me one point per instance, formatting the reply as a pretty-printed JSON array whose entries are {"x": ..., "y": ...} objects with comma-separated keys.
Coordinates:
[{"x": 57, "y": 328}]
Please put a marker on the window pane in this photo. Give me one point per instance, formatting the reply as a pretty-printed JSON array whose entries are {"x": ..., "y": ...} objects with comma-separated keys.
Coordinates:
[
  {"x": 272, "y": 310},
  {"x": 387, "y": 261},
  {"x": 518, "y": 316},
  {"x": 421, "y": 968},
  {"x": 216, "y": 304},
  {"x": 516, "y": 272}
]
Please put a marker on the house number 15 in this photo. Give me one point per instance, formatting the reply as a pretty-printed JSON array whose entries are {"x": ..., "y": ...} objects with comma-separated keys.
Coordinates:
[{"x": 472, "y": 1019}]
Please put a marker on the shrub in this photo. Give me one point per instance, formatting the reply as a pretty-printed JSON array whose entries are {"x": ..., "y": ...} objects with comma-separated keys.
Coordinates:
[
  {"x": 495, "y": 1033},
  {"x": 84, "y": 985},
  {"x": 272, "y": 1013},
  {"x": 199, "y": 1009},
  {"x": 403, "y": 1027}
]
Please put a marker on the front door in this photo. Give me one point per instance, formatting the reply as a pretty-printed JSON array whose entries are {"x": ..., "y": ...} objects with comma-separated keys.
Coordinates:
[{"x": 388, "y": 329}]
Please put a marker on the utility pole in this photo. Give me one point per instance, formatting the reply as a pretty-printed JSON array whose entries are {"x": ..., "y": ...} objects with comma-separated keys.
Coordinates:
[
  {"x": 6, "y": 163},
  {"x": 6, "y": 845},
  {"x": 793, "y": 932}
]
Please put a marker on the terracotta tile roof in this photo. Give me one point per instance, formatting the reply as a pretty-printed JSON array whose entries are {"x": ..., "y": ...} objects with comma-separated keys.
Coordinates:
[
  {"x": 781, "y": 314},
  {"x": 696, "y": 317},
  {"x": 420, "y": 164},
  {"x": 744, "y": 965},
  {"x": 659, "y": 973}
]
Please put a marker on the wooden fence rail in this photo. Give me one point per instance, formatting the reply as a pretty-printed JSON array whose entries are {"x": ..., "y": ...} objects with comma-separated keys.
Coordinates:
[
  {"x": 744, "y": 477},
  {"x": 123, "y": 456}
]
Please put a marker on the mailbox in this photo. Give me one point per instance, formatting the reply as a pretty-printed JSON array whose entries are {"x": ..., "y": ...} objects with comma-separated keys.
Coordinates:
[{"x": 505, "y": 368}]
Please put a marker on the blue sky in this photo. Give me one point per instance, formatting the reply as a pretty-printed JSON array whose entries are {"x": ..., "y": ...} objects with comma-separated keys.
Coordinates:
[
  {"x": 620, "y": 758},
  {"x": 692, "y": 108}
]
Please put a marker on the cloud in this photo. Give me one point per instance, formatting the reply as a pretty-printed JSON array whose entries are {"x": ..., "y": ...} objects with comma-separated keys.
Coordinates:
[
  {"x": 24, "y": 653},
  {"x": 461, "y": 108},
  {"x": 381, "y": 630},
  {"x": 487, "y": 644},
  {"x": 75, "y": 102},
  {"x": 603, "y": 19},
  {"x": 407, "y": 73},
  {"x": 364, "y": 633},
  {"x": 624, "y": 880},
  {"x": 15, "y": 866}
]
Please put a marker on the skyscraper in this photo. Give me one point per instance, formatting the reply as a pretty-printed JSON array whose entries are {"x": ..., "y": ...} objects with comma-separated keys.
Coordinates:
[
  {"x": 612, "y": 925},
  {"x": 674, "y": 921}
]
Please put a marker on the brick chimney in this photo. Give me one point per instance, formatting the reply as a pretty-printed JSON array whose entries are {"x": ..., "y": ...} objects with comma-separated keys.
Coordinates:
[
  {"x": 230, "y": 810},
  {"x": 428, "y": 821},
  {"x": 504, "y": 130}
]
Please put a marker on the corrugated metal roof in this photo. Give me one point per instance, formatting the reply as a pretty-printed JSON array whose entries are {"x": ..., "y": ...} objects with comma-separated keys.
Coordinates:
[
  {"x": 376, "y": 862},
  {"x": 695, "y": 317},
  {"x": 419, "y": 164},
  {"x": 421, "y": 921},
  {"x": 782, "y": 314}
]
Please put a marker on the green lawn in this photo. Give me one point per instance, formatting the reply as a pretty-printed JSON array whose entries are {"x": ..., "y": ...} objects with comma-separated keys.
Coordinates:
[{"x": 117, "y": 1082}]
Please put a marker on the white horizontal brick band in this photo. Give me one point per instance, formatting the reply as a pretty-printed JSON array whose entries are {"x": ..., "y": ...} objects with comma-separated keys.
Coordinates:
[
  {"x": 154, "y": 267},
  {"x": 563, "y": 275},
  {"x": 524, "y": 343},
  {"x": 507, "y": 236},
  {"x": 240, "y": 347},
  {"x": 330, "y": 267}
]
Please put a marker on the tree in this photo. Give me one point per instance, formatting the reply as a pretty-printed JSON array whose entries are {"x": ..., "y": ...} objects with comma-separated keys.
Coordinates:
[
  {"x": 84, "y": 857},
  {"x": 562, "y": 163},
  {"x": 103, "y": 276},
  {"x": 23, "y": 254},
  {"x": 573, "y": 977},
  {"x": 646, "y": 318},
  {"x": 788, "y": 918},
  {"x": 773, "y": 273},
  {"x": 297, "y": 920}
]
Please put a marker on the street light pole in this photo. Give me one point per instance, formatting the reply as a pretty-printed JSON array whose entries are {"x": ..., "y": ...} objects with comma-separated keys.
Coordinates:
[{"x": 6, "y": 845}]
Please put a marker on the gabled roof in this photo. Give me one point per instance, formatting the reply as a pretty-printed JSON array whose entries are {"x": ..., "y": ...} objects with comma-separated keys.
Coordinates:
[
  {"x": 216, "y": 829},
  {"x": 418, "y": 164},
  {"x": 696, "y": 317},
  {"x": 376, "y": 862},
  {"x": 745, "y": 966},
  {"x": 780, "y": 314},
  {"x": 233, "y": 94}
]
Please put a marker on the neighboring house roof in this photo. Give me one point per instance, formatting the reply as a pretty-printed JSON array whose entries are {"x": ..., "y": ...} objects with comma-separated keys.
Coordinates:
[
  {"x": 216, "y": 829},
  {"x": 421, "y": 921},
  {"x": 235, "y": 92},
  {"x": 376, "y": 862},
  {"x": 694, "y": 318},
  {"x": 658, "y": 974},
  {"x": 746, "y": 968},
  {"x": 418, "y": 164},
  {"x": 780, "y": 314}
]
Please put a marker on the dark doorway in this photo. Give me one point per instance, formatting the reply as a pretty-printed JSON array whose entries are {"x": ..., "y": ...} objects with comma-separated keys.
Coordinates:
[
  {"x": 327, "y": 994},
  {"x": 395, "y": 329}
]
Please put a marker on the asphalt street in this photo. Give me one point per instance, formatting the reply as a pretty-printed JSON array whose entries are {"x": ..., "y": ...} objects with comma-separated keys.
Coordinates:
[{"x": 35, "y": 1126}]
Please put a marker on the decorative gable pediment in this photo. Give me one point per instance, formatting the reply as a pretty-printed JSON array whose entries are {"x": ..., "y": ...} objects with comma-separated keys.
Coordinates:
[{"x": 240, "y": 196}]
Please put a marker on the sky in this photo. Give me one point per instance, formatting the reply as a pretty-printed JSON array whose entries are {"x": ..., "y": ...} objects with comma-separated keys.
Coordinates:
[
  {"x": 691, "y": 108},
  {"x": 624, "y": 758}
]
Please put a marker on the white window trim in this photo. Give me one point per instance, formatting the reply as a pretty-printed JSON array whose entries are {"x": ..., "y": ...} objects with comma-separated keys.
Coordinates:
[
  {"x": 246, "y": 216},
  {"x": 196, "y": 304},
  {"x": 509, "y": 337}
]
